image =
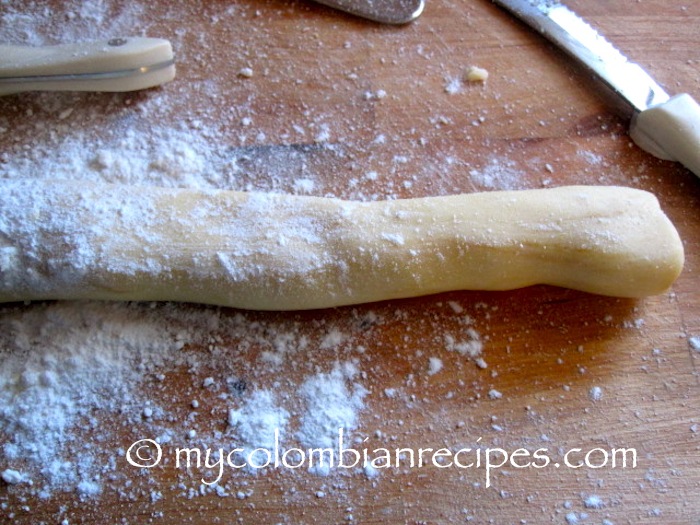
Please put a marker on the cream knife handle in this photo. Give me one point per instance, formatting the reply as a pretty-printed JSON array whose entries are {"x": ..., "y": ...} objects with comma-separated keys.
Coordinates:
[
  {"x": 671, "y": 131},
  {"x": 119, "y": 64}
]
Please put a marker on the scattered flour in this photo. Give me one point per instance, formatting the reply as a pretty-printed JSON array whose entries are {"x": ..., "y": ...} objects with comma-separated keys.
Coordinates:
[
  {"x": 435, "y": 364},
  {"x": 694, "y": 343},
  {"x": 331, "y": 404},
  {"x": 595, "y": 393},
  {"x": 36, "y": 26},
  {"x": 572, "y": 518},
  {"x": 593, "y": 501},
  {"x": 469, "y": 345},
  {"x": 13, "y": 477},
  {"x": 256, "y": 423},
  {"x": 61, "y": 363},
  {"x": 495, "y": 394},
  {"x": 56, "y": 373},
  {"x": 453, "y": 86},
  {"x": 157, "y": 157},
  {"x": 498, "y": 174}
]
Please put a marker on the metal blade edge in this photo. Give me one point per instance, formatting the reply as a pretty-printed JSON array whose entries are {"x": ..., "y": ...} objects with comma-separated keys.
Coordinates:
[{"x": 575, "y": 36}]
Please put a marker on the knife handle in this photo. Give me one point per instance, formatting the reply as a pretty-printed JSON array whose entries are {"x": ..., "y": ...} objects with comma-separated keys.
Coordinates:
[
  {"x": 118, "y": 64},
  {"x": 671, "y": 131}
]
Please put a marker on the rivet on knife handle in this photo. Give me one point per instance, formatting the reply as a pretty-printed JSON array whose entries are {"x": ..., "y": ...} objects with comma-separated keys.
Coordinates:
[{"x": 668, "y": 128}]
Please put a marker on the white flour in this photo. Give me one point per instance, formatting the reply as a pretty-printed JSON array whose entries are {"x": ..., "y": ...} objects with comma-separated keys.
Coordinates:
[
  {"x": 61, "y": 364},
  {"x": 68, "y": 368},
  {"x": 330, "y": 405},
  {"x": 74, "y": 376},
  {"x": 159, "y": 156}
]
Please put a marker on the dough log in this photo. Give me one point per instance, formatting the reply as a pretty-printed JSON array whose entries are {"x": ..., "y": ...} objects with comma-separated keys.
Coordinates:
[{"x": 76, "y": 240}]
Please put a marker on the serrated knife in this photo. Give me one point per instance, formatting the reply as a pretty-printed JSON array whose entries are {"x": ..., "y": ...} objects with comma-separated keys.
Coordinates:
[{"x": 667, "y": 127}]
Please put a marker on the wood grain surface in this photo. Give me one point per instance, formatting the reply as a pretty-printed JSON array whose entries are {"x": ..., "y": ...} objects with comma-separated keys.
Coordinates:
[{"x": 336, "y": 105}]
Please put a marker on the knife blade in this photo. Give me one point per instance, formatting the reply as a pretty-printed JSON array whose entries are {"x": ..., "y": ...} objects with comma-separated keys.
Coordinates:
[
  {"x": 384, "y": 11},
  {"x": 666, "y": 126}
]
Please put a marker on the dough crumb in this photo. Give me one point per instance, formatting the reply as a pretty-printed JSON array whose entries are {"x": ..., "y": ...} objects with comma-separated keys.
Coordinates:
[{"x": 476, "y": 74}]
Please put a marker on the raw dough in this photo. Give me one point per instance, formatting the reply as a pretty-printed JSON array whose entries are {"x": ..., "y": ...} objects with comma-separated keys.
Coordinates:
[
  {"x": 476, "y": 74},
  {"x": 76, "y": 240}
]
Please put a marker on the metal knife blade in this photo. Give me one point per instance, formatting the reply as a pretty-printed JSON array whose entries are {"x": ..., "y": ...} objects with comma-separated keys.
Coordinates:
[
  {"x": 384, "y": 11},
  {"x": 667, "y": 127}
]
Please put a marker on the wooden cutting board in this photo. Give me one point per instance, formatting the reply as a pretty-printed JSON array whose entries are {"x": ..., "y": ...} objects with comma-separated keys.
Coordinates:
[{"x": 292, "y": 96}]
